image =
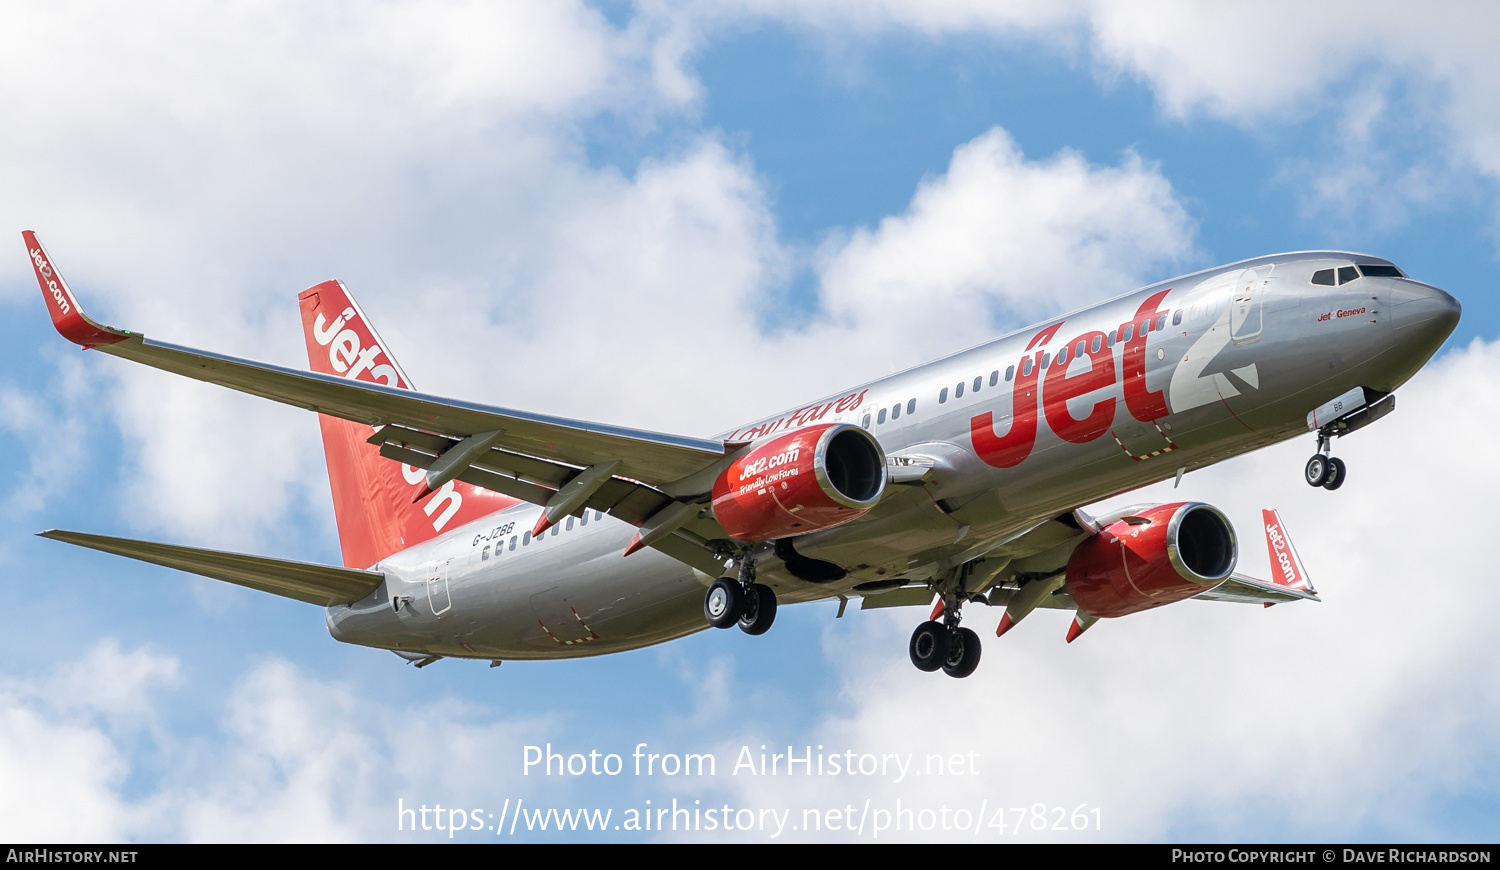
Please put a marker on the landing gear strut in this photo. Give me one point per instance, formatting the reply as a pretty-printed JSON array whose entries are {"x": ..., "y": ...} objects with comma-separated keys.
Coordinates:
[
  {"x": 1322, "y": 469},
  {"x": 945, "y": 644},
  {"x": 741, "y": 600}
]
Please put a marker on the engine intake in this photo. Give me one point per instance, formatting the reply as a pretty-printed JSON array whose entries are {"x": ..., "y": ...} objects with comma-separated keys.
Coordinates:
[
  {"x": 801, "y": 481},
  {"x": 1155, "y": 556}
]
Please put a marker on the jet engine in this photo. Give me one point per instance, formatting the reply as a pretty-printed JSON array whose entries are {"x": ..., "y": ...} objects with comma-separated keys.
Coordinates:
[
  {"x": 813, "y": 478},
  {"x": 1150, "y": 557}
]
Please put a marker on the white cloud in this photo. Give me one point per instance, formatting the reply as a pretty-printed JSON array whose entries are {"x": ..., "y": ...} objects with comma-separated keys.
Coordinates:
[
  {"x": 1310, "y": 720},
  {"x": 298, "y": 759}
]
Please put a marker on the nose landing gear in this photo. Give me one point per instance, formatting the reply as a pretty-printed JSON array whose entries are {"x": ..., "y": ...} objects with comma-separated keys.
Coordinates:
[
  {"x": 1322, "y": 469},
  {"x": 740, "y": 600}
]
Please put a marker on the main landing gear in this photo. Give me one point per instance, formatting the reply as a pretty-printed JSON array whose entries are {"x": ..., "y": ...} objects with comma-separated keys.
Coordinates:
[
  {"x": 945, "y": 644},
  {"x": 936, "y": 645},
  {"x": 741, "y": 600},
  {"x": 1322, "y": 469}
]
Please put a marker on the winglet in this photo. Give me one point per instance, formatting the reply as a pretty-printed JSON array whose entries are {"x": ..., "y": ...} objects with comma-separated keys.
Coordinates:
[
  {"x": 1286, "y": 567},
  {"x": 67, "y": 314}
]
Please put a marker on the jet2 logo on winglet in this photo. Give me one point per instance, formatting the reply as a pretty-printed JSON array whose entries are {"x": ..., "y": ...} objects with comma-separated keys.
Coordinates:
[{"x": 44, "y": 269}]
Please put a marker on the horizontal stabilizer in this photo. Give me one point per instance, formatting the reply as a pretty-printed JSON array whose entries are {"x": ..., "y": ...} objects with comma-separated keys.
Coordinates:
[{"x": 304, "y": 581}]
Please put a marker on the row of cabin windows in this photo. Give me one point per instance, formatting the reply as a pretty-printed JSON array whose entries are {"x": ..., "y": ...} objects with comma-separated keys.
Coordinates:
[
  {"x": 1345, "y": 274},
  {"x": 1098, "y": 343},
  {"x": 524, "y": 539},
  {"x": 894, "y": 413}
]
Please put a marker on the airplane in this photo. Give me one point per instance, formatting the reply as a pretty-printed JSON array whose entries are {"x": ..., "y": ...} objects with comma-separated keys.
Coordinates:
[{"x": 476, "y": 532}]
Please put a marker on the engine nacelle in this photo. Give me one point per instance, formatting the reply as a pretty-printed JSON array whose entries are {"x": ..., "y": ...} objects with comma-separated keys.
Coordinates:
[
  {"x": 813, "y": 478},
  {"x": 1156, "y": 556}
]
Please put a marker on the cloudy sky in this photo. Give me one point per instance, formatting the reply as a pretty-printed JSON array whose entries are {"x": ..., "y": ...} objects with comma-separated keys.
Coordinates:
[{"x": 683, "y": 217}]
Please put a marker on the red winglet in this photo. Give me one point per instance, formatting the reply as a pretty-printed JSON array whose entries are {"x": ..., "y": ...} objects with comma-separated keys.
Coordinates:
[
  {"x": 1286, "y": 567},
  {"x": 67, "y": 314}
]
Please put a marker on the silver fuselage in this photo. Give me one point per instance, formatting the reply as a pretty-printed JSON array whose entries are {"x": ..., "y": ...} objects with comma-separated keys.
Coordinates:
[{"x": 1248, "y": 350}]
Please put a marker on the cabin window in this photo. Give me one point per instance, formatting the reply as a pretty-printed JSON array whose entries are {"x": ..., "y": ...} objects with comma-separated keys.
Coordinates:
[
  {"x": 598, "y": 515},
  {"x": 881, "y": 418},
  {"x": 911, "y": 406},
  {"x": 570, "y": 524},
  {"x": 943, "y": 395},
  {"x": 1323, "y": 277},
  {"x": 995, "y": 377},
  {"x": 1177, "y": 317},
  {"x": 526, "y": 539},
  {"x": 1161, "y": 323},
  {"x": 865, "y": 423},
  {"x": 1129, "y": 331},
  {"x": 1010, "y": 372},
  {"x": 1026, "y": 367},
  {"x": 1062, "y": 357},
  {"x": 958, "y": 391},
  {"x": 512, "y": 542},
  {"x": 977, "y": 382},
  {"x": 1110, "y": 339},
  {"x": 896, "y": 412},
  {"x": 484, "y": 555},
  {"x": 584, "y": 520},
  {"x": 554, "y": 531},
  {"x": 1096, "y": 344},
  {"x": 1347, "y": 274},
  {"x": 1045, "y": 356}
]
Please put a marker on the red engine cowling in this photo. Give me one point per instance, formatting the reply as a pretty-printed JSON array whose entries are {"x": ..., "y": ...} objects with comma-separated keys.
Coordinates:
[
  {"x": 808, "y": 479},
  {"x": 1156, "y": 556}
]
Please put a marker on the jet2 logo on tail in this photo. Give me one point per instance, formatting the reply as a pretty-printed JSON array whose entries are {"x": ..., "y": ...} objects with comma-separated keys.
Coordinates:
[{"x": 352, "y": 358}]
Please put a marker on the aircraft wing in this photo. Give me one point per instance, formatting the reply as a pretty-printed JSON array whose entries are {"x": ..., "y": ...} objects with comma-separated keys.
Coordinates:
[
  {"x": 1290, "y": 583},
  {"x": 1248, "y": 590},
  {"x": 305, "y": 581},
  {"x": 650, "y": 457}
]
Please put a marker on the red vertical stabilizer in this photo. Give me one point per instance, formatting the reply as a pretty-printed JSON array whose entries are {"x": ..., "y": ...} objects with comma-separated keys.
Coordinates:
[{"x": 372, "y": 496}]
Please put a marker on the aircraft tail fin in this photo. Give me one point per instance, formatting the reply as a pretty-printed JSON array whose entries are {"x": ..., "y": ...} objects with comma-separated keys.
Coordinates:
[{"x": 373, "y": 497}]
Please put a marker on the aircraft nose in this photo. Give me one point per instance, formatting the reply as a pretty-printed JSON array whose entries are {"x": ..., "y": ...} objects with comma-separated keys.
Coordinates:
[{"x": 1423, "y": 314}]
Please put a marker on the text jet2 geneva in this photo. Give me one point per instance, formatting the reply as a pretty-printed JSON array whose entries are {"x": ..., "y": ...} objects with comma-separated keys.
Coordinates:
[{"x": 478, "y": 532}]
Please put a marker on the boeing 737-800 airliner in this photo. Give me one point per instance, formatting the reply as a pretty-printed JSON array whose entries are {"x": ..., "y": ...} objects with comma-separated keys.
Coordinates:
[{"x": 479, "y": 532}]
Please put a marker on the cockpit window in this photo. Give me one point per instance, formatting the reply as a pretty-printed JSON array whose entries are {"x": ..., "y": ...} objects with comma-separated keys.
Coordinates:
[
  {"x": 1374, "y": 271},
  {"x": 1324, "y": 277},
  {"x": 1347, "y": 274}
]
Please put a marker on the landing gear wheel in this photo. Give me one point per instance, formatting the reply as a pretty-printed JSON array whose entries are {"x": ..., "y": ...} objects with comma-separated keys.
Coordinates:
[
  {"x": 929, "y": 646},
  {"x": 759, "y": 610},
  {"x": 1334, "y": 478},
  {"x": 1317, "y": 470},
  {"x": 963, "y": 654},
  {"x": 724, "y": 603}
]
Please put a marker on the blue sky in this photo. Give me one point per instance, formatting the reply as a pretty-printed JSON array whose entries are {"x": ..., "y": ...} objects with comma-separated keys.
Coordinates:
[{"x": 789, "y": 199}]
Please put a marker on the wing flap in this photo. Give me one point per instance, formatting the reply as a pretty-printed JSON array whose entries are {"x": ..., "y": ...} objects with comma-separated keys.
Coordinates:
[{"x": 304, "y": 581}]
